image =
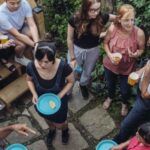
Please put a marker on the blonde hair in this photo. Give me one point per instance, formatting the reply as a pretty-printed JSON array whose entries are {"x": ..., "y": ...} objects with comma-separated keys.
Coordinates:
[{"x": 124, "y": 10}]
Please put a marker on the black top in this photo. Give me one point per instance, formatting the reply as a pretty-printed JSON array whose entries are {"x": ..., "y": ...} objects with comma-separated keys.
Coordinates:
[
  {"x": 47, "y": 84},
  {"x": 87, "y": 39}
]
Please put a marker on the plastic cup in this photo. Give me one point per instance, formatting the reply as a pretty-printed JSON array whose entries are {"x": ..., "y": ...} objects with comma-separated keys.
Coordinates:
[
  {"x": 133, "y": 78},
  {"x": 117, "y": 58},
  {"x": 3, "y": 39}
]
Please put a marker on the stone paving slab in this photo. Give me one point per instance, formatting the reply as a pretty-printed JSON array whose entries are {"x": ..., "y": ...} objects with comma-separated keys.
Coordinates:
[
  {"x": 15, "y": 138},
  {"x": 98, "y": 122},
  {"x": 38, "y": 118},
  {"x": 77, "y": 102},
  {"x": 76, "y": 141},
  {"x": 38, "y": 145}
]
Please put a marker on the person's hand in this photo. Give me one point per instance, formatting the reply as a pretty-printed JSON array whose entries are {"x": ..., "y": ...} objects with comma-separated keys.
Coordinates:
[
  {"x": 133, "y": 54},
  {"x": 35, "y": 98},
  {"x": 22, "y": 129},
  {"x": 118, "y": 147},
  {"x": 9, "y": 43},
  {"x": 73, "y": 64},
  {"x": 112, "y": 58}
]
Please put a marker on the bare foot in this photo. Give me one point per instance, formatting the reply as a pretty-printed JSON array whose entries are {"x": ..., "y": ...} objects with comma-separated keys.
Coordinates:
[
  {"x": 124, "y": 110},
  {"x": 107, "y": 103}
]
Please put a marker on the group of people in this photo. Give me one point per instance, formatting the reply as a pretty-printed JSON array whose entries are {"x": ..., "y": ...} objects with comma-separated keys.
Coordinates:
[
  {"x": 46, "y": 73},
  {"x": 16, "y": 23}
]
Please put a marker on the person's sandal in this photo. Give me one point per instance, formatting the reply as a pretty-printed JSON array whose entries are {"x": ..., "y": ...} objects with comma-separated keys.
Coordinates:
[
  {"x": 124, "y": 110},
  {"x": 9, "y": 66},
  {"x": 107, "y": 103}
]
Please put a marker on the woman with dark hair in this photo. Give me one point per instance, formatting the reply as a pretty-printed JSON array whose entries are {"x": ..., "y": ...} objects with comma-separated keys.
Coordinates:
[
  {"x": 128, "y": 40},
  {"x": 48, "y": 74},
  {"x": 84, "y": 30},
  {"x": 139, "y": 142}
]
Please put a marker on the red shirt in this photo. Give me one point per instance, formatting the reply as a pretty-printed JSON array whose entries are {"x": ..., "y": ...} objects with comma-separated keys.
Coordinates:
[
  {"x": 136, "y": 145},
  {"x": 121, "y": 44}
]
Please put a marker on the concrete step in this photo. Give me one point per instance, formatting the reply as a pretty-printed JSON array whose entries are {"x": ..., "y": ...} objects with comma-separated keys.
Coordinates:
[
  {"x": 14, "y": 90},
  {"x": 8, "y": 76}
]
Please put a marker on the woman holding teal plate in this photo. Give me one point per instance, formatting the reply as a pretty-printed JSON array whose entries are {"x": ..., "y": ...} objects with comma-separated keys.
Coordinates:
[{"x": 48, "y": 74}]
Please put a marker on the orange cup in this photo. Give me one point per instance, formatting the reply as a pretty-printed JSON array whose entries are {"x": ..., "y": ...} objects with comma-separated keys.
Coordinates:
[
  {"x": 3, "y": 39},
  {"x": 117, "y": 58},
  {"x": 133, "y": 78}
]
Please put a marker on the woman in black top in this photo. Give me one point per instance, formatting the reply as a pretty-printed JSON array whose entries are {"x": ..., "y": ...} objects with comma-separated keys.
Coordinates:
[
  {"x": 49, "y": 74},
  {"x": 84, "y": 31}
]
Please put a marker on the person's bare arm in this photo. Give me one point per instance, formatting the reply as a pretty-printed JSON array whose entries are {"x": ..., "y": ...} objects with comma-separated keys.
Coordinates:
[
  {"x": 68, "y": 86},
  {"x": 106, "y": 42},
  {"x": 32, "y": 89},
  {"x": 70, "y": 44},
  {"x": 33, "y": 29},
  {"x": 19, "y": 128},
  {"x": 21, "y": 37},
  {"x": 141, "y": 44},
  {"x": 112, "y": 17},
  {"x": 121, "y": 146},
  {"x": 145, "y": 82}
]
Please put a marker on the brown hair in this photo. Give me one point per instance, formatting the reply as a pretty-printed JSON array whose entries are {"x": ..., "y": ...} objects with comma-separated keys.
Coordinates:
[
  {"x": 124, "y": 9},
  {"x": 82, "y": 19}
]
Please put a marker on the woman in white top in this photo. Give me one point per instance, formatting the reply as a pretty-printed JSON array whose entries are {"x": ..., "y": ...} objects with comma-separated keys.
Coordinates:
[{"x": 140, "y": 113}]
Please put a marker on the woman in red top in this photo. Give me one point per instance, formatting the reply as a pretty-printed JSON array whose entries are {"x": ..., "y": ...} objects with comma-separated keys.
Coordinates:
[
  {"x": 127, "y": 39},
  {"x": 139, "y": 142}
]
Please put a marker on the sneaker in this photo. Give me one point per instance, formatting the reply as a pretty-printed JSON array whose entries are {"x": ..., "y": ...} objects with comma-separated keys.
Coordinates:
[
  {"x": 65, "y": 136},
  {"x": 50, "y": 137},
  {"x": 84, "y": 92},
  {"x": 23, "y": 60}
]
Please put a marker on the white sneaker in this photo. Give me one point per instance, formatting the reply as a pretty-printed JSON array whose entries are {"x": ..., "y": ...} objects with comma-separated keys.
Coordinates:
[{"x": 23, "y": 60}]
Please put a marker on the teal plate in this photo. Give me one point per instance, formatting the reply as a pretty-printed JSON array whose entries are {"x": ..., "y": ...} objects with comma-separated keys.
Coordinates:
[
  {"x": 16, "y": 147},
  {"x": 43, "y": 105},
  {"x": 105, "y": 145}
]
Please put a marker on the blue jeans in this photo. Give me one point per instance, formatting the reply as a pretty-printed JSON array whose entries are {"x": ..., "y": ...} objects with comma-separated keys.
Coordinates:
[
  {"x": 138, "y": 115},
  {"x": 111, "y": 80}
]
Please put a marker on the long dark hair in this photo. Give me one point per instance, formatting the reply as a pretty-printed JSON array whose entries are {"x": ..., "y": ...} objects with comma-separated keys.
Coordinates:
[
  {"x": 82, "y": 19},
  {"x": 45, "y": 48}
]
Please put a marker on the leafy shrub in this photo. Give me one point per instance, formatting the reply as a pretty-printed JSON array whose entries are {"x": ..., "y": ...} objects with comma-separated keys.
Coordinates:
[{"x": 57, "y": 13}]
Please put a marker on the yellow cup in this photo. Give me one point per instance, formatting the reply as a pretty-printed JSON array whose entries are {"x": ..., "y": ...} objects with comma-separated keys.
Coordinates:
[
  {"x": 3, "y": 39},
  {"x": 133, "y": 78},
  {"x": 117, "y": 58}
]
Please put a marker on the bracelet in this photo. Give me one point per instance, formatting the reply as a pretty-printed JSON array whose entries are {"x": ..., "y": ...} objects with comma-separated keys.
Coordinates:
[{"x": 72, "y": 59}]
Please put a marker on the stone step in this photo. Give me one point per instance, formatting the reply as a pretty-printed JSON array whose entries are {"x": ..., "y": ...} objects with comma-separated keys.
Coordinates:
[
  {"x": 14, "y": 90},
  {"x": 8, "y": 76}
]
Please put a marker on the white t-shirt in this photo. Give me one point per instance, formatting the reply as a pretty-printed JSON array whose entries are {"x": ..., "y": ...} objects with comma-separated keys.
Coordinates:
[{"x": 14, "y": 19}]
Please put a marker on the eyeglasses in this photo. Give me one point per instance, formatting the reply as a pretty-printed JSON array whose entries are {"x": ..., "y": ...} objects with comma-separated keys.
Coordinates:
[{"x": 94, "y": 10}]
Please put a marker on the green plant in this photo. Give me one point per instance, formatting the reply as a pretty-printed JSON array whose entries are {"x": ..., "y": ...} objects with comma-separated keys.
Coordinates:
[
  {"x": 142, "y": 8},
  {"x": 57, "y": 13}
]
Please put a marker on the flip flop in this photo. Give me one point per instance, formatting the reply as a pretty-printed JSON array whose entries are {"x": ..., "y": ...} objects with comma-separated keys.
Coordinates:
[
  {"x": 107, "y": 103},
  {"x": 9, "y": 66}
]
